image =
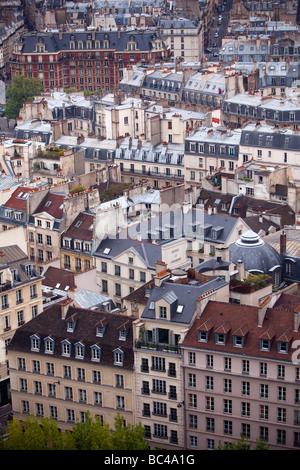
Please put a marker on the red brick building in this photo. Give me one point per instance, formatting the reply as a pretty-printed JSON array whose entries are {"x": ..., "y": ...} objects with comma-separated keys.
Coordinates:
[{"x": 82, "y": 59}]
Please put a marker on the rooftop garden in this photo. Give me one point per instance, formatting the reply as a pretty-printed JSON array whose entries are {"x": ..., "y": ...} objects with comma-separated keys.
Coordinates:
[
  {"x": 250, "y": 284},
  {"x": 50, "y": 152}
]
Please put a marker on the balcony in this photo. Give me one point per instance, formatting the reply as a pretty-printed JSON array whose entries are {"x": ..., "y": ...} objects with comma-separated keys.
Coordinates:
[
  {"x": 5, "y": 286},
  {"x": 157, "y": 347},
  {"x": 151, "y": 173}
]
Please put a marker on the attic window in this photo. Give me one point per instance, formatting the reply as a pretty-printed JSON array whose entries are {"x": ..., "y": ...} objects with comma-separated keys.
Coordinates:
[
  {"x": 282, "y": 347},
  {"x": 265, "y": 344},
  {"x": 180, "y": 309},
  {"x": 106, "y": 251},
  {"x": 152, "y": 306},
  {"x": 220, "y": 338},
  {"x": 100, "y": 331},
  {"x": 78, "y": 223},
  {"x": 71, "y": 325},
  {"x": 122, "y": 334},
  {"x": 202, "y": 336},
  {"x": 238, "y": 341}
]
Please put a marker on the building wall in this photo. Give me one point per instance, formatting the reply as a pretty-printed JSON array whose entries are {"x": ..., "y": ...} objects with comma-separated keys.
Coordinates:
[{"x": 107, "y": 387}]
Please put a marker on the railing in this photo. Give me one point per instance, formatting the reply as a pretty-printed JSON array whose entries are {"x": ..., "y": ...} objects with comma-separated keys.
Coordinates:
[
  {"x": 151, "y": 173},
  {"x": 158, "y": 347}
]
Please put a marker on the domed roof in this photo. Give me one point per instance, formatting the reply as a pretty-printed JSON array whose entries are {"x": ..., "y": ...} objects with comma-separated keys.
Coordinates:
[{"x": 256, "y": 254}]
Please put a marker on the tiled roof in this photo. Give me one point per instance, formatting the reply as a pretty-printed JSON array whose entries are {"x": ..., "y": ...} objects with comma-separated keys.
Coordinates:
[
  {"x": 83, "y": 230},
  {"x": 18, "y": 198},
  {"x": 50, "y": 323},
  {"x": 53, "y": 205},
  {"x": 54, "y": 276},
  {"x": 278, "y": 324}
]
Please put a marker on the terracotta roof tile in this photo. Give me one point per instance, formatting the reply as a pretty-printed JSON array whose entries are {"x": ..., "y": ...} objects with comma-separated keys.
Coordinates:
[{"x": 278, "y": 324}]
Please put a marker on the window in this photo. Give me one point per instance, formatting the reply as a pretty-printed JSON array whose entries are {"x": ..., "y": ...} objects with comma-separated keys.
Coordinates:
[
  {"x": 227, "y": 363},
  {"x": 263, "y": 369},
  {"x": 209, "y": 361},
  {"x": 192, "y": 358},
  {"x": 245, "y": 409},
  {"x": 118, "y": 357},
  {"x": 264, "y": 412},
  {"x": 162, "y": 312},
  {"x": 227, "y": 406},
  {"x": 245, "y": 388},
  {"x": 79, "y": 351},
  {"x": 265, "y": 345},
  {"x": 264, "y": 391}
]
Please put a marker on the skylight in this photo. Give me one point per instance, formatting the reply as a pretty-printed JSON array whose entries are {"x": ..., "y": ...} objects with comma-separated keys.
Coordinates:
[{"x": 106, "y": 251}]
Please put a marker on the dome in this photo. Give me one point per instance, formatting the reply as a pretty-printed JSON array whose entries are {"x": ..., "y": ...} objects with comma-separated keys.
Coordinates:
[{"x": 257, "y": 255}]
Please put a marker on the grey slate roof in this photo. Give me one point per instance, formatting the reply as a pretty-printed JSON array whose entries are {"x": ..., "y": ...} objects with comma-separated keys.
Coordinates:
[
  {"x": 180, "y": 294},
  {"x": 53, "y": 43},
  {"x": 148, "y": 252}
]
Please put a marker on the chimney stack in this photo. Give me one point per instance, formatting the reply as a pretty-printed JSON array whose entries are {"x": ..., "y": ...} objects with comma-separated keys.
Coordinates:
[{"x": 282, "y": 242}]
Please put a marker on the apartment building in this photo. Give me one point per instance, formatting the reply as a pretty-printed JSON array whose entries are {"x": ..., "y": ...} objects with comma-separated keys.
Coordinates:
[
  {"x": 54, "y": 165},
  {"x": 69, "y": 361},
  {"x": 171, "y": 307},
  {"x": 77, "y": 243},
  {"x": 208, "y": 150},
  {"x": 162, "y": 165},
  {"x": 269, "y": 144},
  {"x": 240, "y": 376},
  {"x": 21, "y": 300},
  {"x": 92, "y": 60},
  {"x": 17, "y": 156},
  {"x": 162, "y": 84},
  {"x": 210, "y": 235},
  {"x": 43, "y": 230},
  {"x": 184, "y": 37},
  {"x": 242, "y": 108}
]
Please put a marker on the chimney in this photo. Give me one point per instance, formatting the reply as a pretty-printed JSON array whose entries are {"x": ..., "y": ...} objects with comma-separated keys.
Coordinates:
[
  {"x": 241, "y": 269},
  {"x": 297, "y": 318},
  {"x": 209, "y": 210},
  {"x": 282, "y": 242},
  {"x": 64, "y": 307},
  {"x": 161, "y": 273},
  {"x": 262, "y": 308}
]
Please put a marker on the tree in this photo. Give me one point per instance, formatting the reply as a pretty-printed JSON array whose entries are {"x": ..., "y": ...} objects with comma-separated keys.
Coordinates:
[
  {"x": 243, "y": 444},
  {"x": 43, "y": 434},
  {"x": 22, "y": 89}
]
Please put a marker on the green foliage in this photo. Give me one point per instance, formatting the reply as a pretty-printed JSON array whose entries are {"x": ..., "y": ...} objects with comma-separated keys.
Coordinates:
[
  {"x": 243, "y": 444},
  {"x": 22, "y": 89},
  {"x": 77, "y": 189},
  {"x": 43, "y": 434}
]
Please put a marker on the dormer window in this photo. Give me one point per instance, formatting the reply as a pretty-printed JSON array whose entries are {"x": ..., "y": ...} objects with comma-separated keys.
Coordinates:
[
  {"x": 71, "y": 326},
  {"x": 265, "y": 344},
  {"x": 283, "y": 347},
  {"x": 35, "y": 343},
  {"x": 49, "y": 345},
  {"x": 118, "y": 357},
  {"x": 66, "y": 348},
  {"x": 79, "y": 351},
  {"x": 220, "y": 338},
  {"x": 162, "y": 312},
  {"x": 95, "y": 353},
  {"x": 202, "y": 336},
  {"x": 122, "y": 334},
  {"x": 29, "y": 269},
  {"x": 100, "y": 331},
  {"x": 238, "y": 341}
]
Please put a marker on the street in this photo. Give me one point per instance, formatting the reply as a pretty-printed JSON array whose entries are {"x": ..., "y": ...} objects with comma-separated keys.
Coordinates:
[{"x": 215, "y": 43}]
